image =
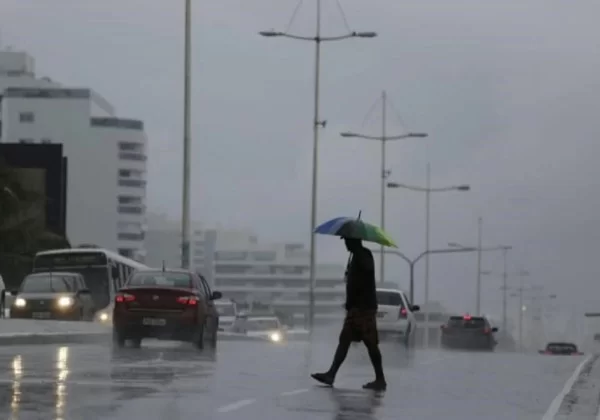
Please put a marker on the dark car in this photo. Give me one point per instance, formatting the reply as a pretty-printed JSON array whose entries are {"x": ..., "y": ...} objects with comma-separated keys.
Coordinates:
[
  {"x": 468, "y": 332},
  {"x": 56, "y": 295},
  {"x": 561, "y": 348},
  {"x": 167, "y": 305}
]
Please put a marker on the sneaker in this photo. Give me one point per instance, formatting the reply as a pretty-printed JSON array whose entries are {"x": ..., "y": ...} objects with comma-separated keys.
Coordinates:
[
  {"x": 324, "y": 378},
  {"x": 376, "y": 386}
]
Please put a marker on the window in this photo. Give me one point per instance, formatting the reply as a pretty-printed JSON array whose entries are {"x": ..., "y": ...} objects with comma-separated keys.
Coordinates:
[
  {"x": 130, "y": 210},
  {"x": 127, "y": 252},
  {"x": 124, "y": 173},
  {"x": 131, "y": 147},
  {"x": 130, "y": 226},
  {"x": 128, "y": 199},
  {"x": 26, "y": 117},
  {"x": 26, "y": 141},
  {"x": 132, "y": 156},
  {"x": 131, "y": 236},
  {"x": 161, "y": 279},
  {"x": 264, "y": 255},
  {"x": 46, "y": 141},
  {"x": 131, "y": 183},
  {"x": 389, "y": 298},
  {"x": 45, "y": 283}
]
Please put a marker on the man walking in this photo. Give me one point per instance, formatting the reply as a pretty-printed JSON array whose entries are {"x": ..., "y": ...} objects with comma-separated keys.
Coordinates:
[{"x": 360, "y": 323}]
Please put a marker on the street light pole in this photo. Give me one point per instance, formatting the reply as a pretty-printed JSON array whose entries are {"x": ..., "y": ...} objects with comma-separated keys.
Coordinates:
[
  {"x": 479, "y": 235},
  {"x": 187, "y": 100},
  {"x": 315, "y": 167},
  {"x": 504, "y": 288},
  {"x": 317, "y": 123},
  {"x": 383, "y": 177},
  {"x": 427, "y": 219},
  {"x": 384, "y": 138}
]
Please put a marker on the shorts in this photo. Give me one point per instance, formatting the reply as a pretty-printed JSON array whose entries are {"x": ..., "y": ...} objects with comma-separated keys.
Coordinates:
[{"x": 360, "y": 325}]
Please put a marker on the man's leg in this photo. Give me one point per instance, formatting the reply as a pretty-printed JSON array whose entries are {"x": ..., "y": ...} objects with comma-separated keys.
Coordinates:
[
  {"x": 371, "y": 340},
  {"x": 341, "y": 352}
]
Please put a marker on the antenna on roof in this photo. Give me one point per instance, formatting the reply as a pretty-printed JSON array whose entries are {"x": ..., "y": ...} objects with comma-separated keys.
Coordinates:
[{"x": 163, "y": 266}]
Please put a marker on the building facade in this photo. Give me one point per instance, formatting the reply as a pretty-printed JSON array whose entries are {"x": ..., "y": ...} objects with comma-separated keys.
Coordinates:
[{"x": 106, "y": 183}]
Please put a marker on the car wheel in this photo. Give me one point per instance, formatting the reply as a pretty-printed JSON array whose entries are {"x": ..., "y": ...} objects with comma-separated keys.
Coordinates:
[
  {"x": 213, "y": 338},
  {"x": 199, "y": 338},
  {"x": 407, "y": 337},
  {"x": 118, "y": 339},
  {"x": 136, "y": 343}
]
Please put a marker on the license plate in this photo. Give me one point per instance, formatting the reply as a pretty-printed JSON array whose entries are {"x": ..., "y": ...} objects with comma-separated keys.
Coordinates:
[
  {"x": 155, "y": 322},
  {"x": 40, "y": 315},
  {"x": 380, "y": 314}
]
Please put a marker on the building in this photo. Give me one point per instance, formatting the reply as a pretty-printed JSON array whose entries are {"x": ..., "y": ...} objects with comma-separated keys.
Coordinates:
[
  {"x": 250, "y": 272},
  {"x": 106, "y": 183},
  {"x": 41, "y": 168}
]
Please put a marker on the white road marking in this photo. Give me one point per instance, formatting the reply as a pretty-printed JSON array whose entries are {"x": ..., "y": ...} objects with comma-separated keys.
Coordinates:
[
  {"x": 294, "y": 392},
  {"x": 556, "y": 403},
  {"x": 236, "y": 405}
]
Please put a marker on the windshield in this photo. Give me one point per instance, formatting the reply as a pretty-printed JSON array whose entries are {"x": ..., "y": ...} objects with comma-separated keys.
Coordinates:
[
  {"x": 562, "y": 347},
  {"x": 389, "y": 298},
  {"x": 262, "y": 324},
  {"x": 161, "y": 279},
  {"x": 460, "y": 322},
  {"x": 97, "y": 281},
  {"x": 48, "y": 284}
]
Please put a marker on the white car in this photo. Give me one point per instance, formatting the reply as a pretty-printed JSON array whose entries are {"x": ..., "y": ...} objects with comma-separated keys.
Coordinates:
[
  {"x": 395, "y": 315},
  {"x": 228, "y": 313},
  {"x": 267, "y": 327}
]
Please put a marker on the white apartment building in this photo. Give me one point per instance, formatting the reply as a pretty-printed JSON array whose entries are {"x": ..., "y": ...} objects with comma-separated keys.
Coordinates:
[
  {"x": 106, "y": 155},
  {"x": 250, "y": 272}
]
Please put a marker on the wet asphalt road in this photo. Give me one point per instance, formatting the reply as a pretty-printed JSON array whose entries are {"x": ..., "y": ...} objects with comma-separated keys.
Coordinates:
[{"x": 254, "y": 380}]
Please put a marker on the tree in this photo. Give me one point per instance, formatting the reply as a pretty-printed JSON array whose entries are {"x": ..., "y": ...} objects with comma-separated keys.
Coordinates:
[{"x": 22, "y": 229}]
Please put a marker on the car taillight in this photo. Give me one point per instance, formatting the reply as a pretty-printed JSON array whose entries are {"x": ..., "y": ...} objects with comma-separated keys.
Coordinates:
[
  {"x": 124, "y": 297},
  {"x": 402, "y": 313},
  {"x": 187, "y": 300}
]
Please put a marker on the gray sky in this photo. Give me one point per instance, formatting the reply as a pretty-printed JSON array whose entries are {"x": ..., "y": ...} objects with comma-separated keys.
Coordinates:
[{"x": 508, "y": 91}]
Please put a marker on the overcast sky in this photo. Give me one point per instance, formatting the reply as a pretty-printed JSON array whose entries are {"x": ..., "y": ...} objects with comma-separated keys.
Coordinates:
[{"x": 508, "y": 92}]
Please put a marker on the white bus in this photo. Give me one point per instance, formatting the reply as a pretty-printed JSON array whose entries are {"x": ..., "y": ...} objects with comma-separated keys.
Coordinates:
[{"x": 105, "y": 272}]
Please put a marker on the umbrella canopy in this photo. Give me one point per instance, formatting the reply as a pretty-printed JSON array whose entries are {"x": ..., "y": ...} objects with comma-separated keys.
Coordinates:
[{"x": 350, "y": 227}]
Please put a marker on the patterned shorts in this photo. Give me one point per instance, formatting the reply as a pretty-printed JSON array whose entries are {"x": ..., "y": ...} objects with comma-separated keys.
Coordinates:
[{"x": 360, "y": 325}]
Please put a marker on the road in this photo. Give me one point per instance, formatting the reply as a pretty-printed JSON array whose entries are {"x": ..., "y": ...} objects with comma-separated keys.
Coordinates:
[{"x": 254, "y": 380}]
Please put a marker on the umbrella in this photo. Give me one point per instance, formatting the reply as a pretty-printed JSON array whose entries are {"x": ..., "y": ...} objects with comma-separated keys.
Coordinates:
[{"x": 349, "y": 227}]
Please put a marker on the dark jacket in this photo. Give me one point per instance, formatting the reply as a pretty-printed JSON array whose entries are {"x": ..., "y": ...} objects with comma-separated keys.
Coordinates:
[{"x": 360, "y": 281}]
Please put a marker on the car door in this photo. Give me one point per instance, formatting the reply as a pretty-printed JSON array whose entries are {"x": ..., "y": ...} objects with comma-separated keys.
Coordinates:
[{"x": 211, "y": 309}]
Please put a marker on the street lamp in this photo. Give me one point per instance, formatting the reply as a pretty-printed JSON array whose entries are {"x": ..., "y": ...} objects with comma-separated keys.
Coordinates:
[
  {"x": 411, "y": 264},
  {"x": 428, "y": 190},
  {"x": 384, "y": 172},
  {"x": 187, "y": 140},
  {"x": 317, "y": 39},
  {"x": 480, "y": 249}
]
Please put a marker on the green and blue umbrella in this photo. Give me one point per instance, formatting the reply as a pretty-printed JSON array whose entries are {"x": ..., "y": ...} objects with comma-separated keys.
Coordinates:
[{"x": 351, "y": 227}]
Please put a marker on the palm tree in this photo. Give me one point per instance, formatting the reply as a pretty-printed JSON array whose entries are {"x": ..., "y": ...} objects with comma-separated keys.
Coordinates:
[{"x": 22, "y": 230}]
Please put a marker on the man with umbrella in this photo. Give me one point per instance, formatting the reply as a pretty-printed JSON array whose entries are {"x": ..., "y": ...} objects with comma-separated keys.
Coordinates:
[{"x": 360, "y": 323}]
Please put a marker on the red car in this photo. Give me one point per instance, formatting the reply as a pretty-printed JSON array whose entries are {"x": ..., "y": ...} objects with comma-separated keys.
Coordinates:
[{"x": 167, "y": 305}]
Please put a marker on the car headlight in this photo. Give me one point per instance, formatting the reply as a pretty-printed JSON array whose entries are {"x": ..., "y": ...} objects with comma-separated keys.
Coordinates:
[
  {"x": 20, "y": 302},
  {"x": 65, "y": 302},
  {"x": 276, "y": 337},
  {"x": 103, "y": 317}
]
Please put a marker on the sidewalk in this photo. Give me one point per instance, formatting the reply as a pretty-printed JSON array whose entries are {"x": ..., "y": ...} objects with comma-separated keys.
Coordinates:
[
  {"x": 28, "y": 331},
  {"x": 582, "y": 400}
]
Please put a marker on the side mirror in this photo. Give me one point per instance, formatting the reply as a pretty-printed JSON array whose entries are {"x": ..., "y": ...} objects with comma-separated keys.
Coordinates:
[
  {"x": 541, "y": 351},
  {"x": 442, "y": 327},
  {"x": 216, "y": 295},
  {"x": 84, "y": 292},
  {"x": 14, "y": 292},
  {"x": 495, "y": 329},
  {"x": 115, "y": 272},
  {"x": 415, "y": 308}
]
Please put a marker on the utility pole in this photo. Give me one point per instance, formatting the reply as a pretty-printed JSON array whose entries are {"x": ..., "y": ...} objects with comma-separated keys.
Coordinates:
[
  {"x": 504, "y": 288},
  {"x": 187, "y": 100},
  {"x": 384, "y": 174},
  {"x": 479, "y": 251}
]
